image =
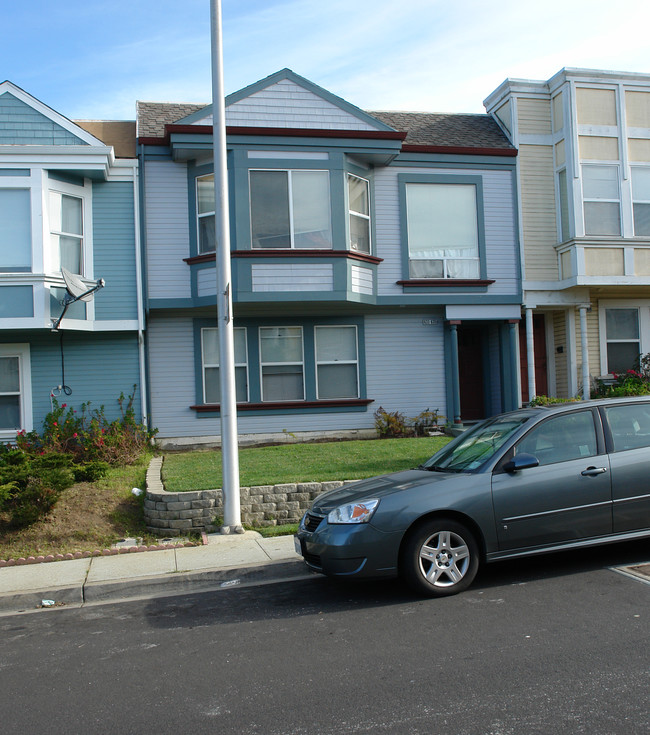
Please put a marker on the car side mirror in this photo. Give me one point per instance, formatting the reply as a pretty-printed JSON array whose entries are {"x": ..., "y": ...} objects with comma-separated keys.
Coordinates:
[{"x": 521, "y": 462}]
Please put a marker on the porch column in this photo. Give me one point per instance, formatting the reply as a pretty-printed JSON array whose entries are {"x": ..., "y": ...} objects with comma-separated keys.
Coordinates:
[
  {"x": 455, "y": 381},
  {"x": 530, "y": 354},
  {"x": 586, "y": 383},
  {"x": 513, "y": 328}
]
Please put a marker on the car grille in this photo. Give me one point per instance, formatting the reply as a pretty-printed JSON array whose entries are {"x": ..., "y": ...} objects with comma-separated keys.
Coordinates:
[{"x": 312, "y": 522}]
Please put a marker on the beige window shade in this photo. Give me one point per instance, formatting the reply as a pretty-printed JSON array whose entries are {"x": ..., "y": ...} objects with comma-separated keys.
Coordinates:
[{"x": 596, "y": 106}]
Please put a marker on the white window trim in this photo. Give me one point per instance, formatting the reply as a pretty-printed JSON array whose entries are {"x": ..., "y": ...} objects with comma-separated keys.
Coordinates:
[
  {"x": 32, "y": 183},
  {"x": 354, "y": 213},
  {"x": 290, "y": 172},
  {"x": 318, "y": 362},
  {"x": 85, "y": 194},
  {"x": 21, "y": 351},
  {"x": 619, "y": 200},
  {"x": 205, "y": 364},
  {"x": 643, "y": 306},
  {"x": 201, "y": 215},
  {"x": 277, "y": 364},
  {"x": 637, "y": 201}
]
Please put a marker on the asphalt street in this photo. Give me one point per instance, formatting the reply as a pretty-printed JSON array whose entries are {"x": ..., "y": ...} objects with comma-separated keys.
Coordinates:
[{"x": 557, "y": 644}]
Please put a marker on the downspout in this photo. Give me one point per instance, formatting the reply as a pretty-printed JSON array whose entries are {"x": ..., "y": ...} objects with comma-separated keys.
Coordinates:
[{"x": 139, "y": 292}]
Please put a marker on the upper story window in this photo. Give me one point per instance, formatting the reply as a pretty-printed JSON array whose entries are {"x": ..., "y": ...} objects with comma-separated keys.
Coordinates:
[
  {"x": 67, "y": 232},
  {"x": 359, "y": 213},
  {"x": 15, "y": 230},
  {"x": 205, "y": 214},
  {"x": 290, "y": 209},
  {"x": 442, "y": 230},
  {"x": 601, "y": 197},
  {"x": 641, "y": 200}
]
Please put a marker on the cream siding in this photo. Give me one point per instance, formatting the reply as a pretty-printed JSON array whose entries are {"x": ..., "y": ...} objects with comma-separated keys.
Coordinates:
[{"x": 534, "y": 116}]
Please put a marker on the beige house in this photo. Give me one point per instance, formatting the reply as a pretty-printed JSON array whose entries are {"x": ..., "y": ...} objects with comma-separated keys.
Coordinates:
[{"x": 584, "y": 216}]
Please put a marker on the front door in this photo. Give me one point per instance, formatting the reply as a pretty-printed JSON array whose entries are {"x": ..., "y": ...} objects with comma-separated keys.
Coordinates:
[{"x": 470, "y": 373}]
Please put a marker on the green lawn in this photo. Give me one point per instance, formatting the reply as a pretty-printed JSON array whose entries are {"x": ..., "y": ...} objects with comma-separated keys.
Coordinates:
[{"x": 348, "y": 460}]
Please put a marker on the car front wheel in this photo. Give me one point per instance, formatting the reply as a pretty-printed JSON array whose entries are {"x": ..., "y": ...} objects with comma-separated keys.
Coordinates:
[{"x": 440, "y": 558}]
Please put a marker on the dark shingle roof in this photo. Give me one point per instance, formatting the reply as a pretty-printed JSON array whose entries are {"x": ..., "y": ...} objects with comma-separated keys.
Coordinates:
[
  {"x": 153, "y": 116},
  {"x": 446, "y": 129}
]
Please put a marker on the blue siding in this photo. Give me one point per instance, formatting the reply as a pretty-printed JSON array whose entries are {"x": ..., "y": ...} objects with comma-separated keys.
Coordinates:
[
  {"x": 98, "y": 367},
  {"x": 21, "y": 124},
  {"x": 114, "y": 250}
]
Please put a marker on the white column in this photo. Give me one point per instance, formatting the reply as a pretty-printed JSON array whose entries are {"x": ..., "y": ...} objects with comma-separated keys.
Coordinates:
[
  {"x": 530, "y": 354},
  {"x": 586, "y": 383}
]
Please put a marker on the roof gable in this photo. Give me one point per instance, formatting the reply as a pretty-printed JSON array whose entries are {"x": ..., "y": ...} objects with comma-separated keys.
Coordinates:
[
  {"x": 26, "y": 121},
  {"x": 287, "y": 100}
]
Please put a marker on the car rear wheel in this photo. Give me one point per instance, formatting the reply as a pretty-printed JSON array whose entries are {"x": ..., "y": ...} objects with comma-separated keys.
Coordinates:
[{"x": 440, "y": 557}]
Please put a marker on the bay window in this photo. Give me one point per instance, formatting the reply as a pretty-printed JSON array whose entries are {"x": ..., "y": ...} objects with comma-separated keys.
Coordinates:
[
  {"x": 601, "y": 198},
  {"x": 205, "y": 214},
  {"x": 290, "y": 209},
  {"x": 67, "y": 232},
  {"x": 442, "y": 230},
  {"x": 359, "y": 213},
  {"x": 641, "y": 200},
  {"x": 15, "y": 230}
]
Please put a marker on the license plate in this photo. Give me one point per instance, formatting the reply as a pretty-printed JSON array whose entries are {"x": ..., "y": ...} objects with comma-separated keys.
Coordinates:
[{"x": 297, "y": 546}]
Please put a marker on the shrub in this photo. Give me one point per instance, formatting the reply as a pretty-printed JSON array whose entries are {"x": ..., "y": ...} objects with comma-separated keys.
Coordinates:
[
  {"x": 634, "y": 382},
  {"x": 396, "y": 424},
  {"x": 550, "y": 400}
]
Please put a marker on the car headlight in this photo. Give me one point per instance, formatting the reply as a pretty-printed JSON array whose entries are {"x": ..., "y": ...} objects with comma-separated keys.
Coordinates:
[{"x": 353, "y": 512}]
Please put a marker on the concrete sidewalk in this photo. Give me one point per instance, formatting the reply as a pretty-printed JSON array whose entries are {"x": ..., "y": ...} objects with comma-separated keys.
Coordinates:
[{"x": 224, "y": 562}]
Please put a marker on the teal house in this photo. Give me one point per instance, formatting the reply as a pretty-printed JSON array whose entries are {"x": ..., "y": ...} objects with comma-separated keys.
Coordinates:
[
  {"x": 68, "y": 203},
  {"x": 375, "y": 262}
]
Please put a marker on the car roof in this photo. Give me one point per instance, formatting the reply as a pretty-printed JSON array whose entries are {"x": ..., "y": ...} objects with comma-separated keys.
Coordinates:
[{"x": 572, "y": 405}]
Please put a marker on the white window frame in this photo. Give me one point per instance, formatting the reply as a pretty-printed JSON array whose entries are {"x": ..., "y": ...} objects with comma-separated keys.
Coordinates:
[
  {"x": 205, "y": 364},
  {"x": 83, "y": 192},
  {"x": 202, "y": 215},
  {"x": 318, "y": 362},
  {"x": 591, "y": 200},
  {"x": 22, "y": 352},
  {"x": 290, "y": 172},
  {"x": 637, "y": 201},
  {"x": 279, "y": 364},
  {"x": 353, "y": 213},
  {"x": 643, "y": 307}
]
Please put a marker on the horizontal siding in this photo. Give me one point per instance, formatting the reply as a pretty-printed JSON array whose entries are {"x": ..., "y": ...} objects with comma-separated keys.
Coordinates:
[
  {"x": 276, "y": 278},
  {"x": 538, "y": 212},
  {"x": 206, "y": 282},
  {"x": 361, "y": 280},
  {"x": 21, "y": 124},
  {"x": 560, "y": 340},
  {"x": 98, "y": 367},
  {"x": 114, "y": 250},
  {"x": 499, "y": 218},
  {"x": 534, "y": 116},
  {"x": 288, "y": 105},
  {"x": 167, "y": 230},
  {"x": 408, "y": 377}
]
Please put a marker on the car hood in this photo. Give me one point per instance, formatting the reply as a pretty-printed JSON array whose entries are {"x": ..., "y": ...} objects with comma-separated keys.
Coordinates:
[{"x": 379, "y": 487}]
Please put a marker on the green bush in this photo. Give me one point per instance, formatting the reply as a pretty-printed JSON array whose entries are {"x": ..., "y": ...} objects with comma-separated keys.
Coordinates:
[
  {"x": 550, "y": 400},
  {"x": 396, "y": 424}
]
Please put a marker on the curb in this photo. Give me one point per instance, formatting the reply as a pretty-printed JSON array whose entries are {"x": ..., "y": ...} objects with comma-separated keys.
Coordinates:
[{"x": 185, "y": 583}]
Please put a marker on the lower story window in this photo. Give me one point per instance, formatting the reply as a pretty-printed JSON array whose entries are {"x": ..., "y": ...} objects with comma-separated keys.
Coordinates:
[
  {"x": 15, "y": 390},
  {"x": 623, "y": 339},
  {"x": 337, "y": 364},
  {"x": 211, "y": 360},
  {"x": 282, "y": 364}
]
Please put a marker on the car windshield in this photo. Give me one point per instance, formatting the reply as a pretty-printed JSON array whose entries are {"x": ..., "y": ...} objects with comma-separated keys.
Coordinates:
[{"x": 475, "y": 446}]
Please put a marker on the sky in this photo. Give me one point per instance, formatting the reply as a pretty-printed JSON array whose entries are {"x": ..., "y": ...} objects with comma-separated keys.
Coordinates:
[{"x": 94, "y": 59}]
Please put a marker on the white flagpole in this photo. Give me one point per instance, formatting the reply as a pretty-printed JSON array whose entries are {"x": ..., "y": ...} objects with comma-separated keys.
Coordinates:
[{"x": 228, "y": 403}]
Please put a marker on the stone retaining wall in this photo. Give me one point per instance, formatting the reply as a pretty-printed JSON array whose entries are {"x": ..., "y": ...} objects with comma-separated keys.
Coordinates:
[{"x": 174, "y": 514}]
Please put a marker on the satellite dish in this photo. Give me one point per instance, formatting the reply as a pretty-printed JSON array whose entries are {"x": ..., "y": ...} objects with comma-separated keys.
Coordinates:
[{"x": 76, "y": 290}]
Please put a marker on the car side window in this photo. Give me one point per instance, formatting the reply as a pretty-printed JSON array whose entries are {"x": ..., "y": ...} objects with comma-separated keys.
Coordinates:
[
  {"x": 565, "y": 437},
  {"x": 629, "y": 426}
]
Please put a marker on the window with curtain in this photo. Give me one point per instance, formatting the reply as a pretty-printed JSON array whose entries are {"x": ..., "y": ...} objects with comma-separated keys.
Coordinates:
[
  {"x": 67, "y": 232},
  {"x": 290, "y": 209},
  {"x": 205, "y": 214},
  {"x": 282, "y": 363},
  {"x": 442, "y": 227},
  {"x": 337, "y": 362},
  {"x": 211, "y": 361},
  {"x": 601, "y": 199},
  {"x": 359, "y": 213},
  {"x": 15, "y": 230}
]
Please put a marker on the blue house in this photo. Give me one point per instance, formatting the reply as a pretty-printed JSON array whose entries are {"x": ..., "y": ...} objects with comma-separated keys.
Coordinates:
[
  {"x": 68, "y": 202},
  {"x": 375, "y": 263}
]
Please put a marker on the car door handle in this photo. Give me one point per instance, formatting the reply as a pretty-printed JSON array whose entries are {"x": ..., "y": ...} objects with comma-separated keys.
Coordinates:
[{"x": 593, "y": 471}]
